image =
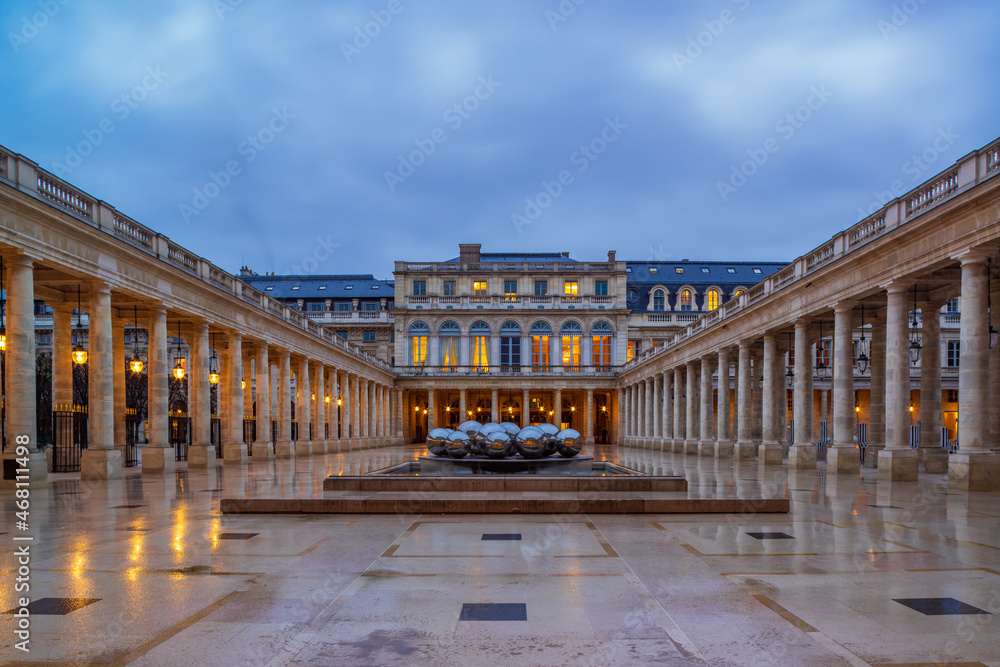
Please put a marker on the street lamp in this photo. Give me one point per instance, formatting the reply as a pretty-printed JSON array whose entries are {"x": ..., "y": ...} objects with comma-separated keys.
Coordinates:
[
  {"x": 822, "y": 370},
  {"x": 213, "y": 365},
  {"x": 179, "y": 360},
  {"x": 79, "y": 353},
  {"x": 863, "y": 346},
  {"x": 136, "y": 364},
  {"x": 915, "y": 346}
]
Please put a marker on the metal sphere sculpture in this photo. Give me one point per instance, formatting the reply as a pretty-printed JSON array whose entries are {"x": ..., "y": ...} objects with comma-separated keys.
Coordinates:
[
  {"x": 471, "y": 428},
  {"x": 498, "y": 445},
  {"x": 437, "y": 441},
  {"x": 511, "y": 428},
  {"x": 530, "y": 442},
  {"x": 549, "y": 431},
  {"x": 458, "y": 445},
  {"x": 568, "y": 442}
]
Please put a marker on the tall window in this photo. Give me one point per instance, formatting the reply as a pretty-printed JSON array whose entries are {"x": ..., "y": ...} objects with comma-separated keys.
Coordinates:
[
  {"x": 541, "y": 287},
  {"x": 419, "y": 332},
  {"x": 954, "y": 353},
  {"x": 343, "y": 306},
  {"x": 600, "y": 288},
  {"x": 658, "y": 300},
  {"x": 571, "y": 288},
  {"x": 823, "y": 353},
  {"x": 479, "y": 288},
  {"x": 449, "y": 288},
  {"x": 952, "y": 306},
  {"x": 510, "y": 346},
  {"x": 601, "y": 337},
  {"x": 479, "y": 334},
  {"x": 510, "y": 288},
  {"x": 368, "y": 336},
  {"x": 633, "y": 348},
  {"x": 371, "y": 305},
  {"x": 448, "y": 345},
  {"x": 686, "y": 299},
  {"x": 540, "y": 348},
  {"x": 712, "y": 299},
  {"x": 571, "y": 334},
  {"x": 419, "y": 287}
]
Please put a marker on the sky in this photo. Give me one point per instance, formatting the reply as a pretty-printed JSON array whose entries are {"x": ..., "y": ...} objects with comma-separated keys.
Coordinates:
[{"x": 328, "y": 137}]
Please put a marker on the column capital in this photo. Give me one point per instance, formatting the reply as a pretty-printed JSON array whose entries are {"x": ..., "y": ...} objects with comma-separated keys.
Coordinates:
[
  {"x": 974, "y": 255},
  {"x": 99, "y": 286},
  {"x": 846, "y": 305},
  {"x": 897, "y": 286}
]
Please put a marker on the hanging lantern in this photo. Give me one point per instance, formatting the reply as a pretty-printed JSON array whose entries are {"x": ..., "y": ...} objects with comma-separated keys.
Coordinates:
[
  {"x": 863, "y": 358},
  {"x": 136, "y": 364},
  {"x": 79, "y": 353},
  {"x": 915, "y": 345}
]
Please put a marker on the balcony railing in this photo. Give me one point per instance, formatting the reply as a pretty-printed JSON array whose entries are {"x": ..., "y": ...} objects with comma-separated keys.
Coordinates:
[
  {"x": 510, "y": 301},
  {"x": 506, "y": 371},
  {"x": 510, "y": 267}
]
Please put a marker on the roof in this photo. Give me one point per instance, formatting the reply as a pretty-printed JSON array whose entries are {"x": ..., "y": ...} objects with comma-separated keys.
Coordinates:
[
  {"x": 352, "y": 286},
  {"x": 642, "y": 276},
  {"x": 520, "y": 257}
]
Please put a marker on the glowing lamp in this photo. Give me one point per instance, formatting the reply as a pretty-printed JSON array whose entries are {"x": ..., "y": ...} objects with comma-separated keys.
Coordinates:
[
  {"x": 136, "y": 365},
  {"x": 213, "y": 377},
  {"x": 79, "y": 357},
  {"x": 179, "y": 370}
]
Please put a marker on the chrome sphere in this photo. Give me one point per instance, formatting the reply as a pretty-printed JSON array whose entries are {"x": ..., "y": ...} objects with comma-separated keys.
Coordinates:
[
  {"x": 549, "y": 431},
  {"x": 530, "y": 442},
  {"x": 471, "y": 429},
  {"x": 437, "y": 441},
  {"x": 498, "y": 445},
  {"x": 511, "y": 428},
  {"x": 568, "y": 442},
  {"x": 458, "y": 445},
  {"x": 484, "y": 433}
]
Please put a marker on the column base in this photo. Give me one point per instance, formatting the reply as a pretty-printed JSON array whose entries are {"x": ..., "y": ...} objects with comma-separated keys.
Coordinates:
[
  {"x": 284, "y": 449},
  {"x": 974, "y": 472},
  {"x": 770, "y": 454},
  {"x": 588, "y": 441},
  {"x": 802, "y": 456},
  {"x": 897, "y": 465},
  {"x": 871, "y": 455},
  {"x": 262, "y": 451},
  {"x": 677, "y": 446},
  {"x": 934, "y": 459},
  {"x": 201, "y": 456},
  {"x": 304, "y": 448},
  {"x": 320, "y": 447},
  {"x": 158, "y": 460},
  {"x": 101, "y": 464},
  {"x": 234, "y": 452},
  {"x": 354, "y": 444},
  {"x": 39, "y": 464},
  {"x": 745, "y": 451},
  {"x": 724, "y": 449},
  {"x": 843, "y": 460},
  {"x": 691, "y": 447}
]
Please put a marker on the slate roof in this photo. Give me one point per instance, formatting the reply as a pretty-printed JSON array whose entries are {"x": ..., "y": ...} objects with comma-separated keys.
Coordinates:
[
  {"x": 644, "y": 275},
  {"x": 487, "y": 257},
  {"x": 355, "y": 286}
]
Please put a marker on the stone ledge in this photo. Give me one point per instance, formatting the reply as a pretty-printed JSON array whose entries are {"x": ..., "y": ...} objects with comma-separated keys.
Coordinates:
[{"x": 504, "y": 483}]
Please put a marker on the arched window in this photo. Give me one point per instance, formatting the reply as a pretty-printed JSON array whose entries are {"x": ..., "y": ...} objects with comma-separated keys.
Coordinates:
[
  {"x": 419, "y": 332},
  {"x": 571, "y": 334},
  {"x": 631, "y": 295},
  {"x": 602, "y": 335},
  {"x": 479, "y": 334},
  {"x": 711, "y": 299},
  {"x": 510, "y": 347},
  {"x": 449, "y": 334},
  {"x": 658, "y": 300},
  {"x": 541, "y": 333},
  {"x": 685, "y": 299}
]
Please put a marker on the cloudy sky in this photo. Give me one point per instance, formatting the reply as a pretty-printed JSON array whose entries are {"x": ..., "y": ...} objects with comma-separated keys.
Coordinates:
[{"x": 337, "y": 137}]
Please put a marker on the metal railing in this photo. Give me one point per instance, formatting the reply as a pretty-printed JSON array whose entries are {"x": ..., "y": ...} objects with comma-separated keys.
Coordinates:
[
  {"x": 500, "y": 371},
  {"x": 69, "y": 438},
  {"x": 180, "y": 436}
]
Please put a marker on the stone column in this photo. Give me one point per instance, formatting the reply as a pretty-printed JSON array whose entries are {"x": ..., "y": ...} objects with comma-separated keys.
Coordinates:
[
  {"x": 803, "y": 451},
  {"x": 100, "y": 460},
  {"x": 974, "y": 467},
  {"x": 897, "y": 462},
  {"x": 234, "y": 450},
  {"x": 20, "y": 378},
  {"x": 118, "y": 354},
  {"x": 876, "y": 411},
  {"x": 744, "y": 448},
  {"x": 770, "y": 450},
  {"x": 363, "y": 412},
  {"x": 667, "y": 409},
  {"x": 321, "y": 414},
  {"x": 757, "y": 392},
  {"x": 263, "y": 448},
  {"x": 691, "y": 429},
  {"x": 723, "y": 441},
  {"x": 349, "y": 428},
  {"x": 305, "y": 411},
  {"x": 495, "y": 406},
  {"x": 933, "y": 457},
  {"x": 370, "y": 413},
  {"x": 706, "y": 446},
  {"x": 62, "y": 360},
  {"x": 557, "y": 408},
  {"x": 656, "y": 392},
  {"x": 626, "y": 415},
  {"x": 201, "y": 453},
  {"x": 842, "y": 455},
  {"x": 677, "y": 444},
  {"x": 588, "y": 426},
  {"x": 525, "y": 408},
  {"x": 463, "y": 405},
  {"x": 638, "y": 404},
  {"x": 333, "y": 444},
  {"x": 431, "y": 411},
  {"x": 158, "y": 456}
]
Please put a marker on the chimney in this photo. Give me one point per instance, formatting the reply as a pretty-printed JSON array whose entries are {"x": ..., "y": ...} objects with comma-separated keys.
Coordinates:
[
  {"x": 565, "y": 253},
  {"x": 611, "y": 256},
  {"x": 468, "y": 253}
]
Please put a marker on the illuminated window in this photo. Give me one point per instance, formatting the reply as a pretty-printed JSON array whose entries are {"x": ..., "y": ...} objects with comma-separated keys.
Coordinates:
[
  {"x": 757, "y": 271},
  {"x": 600, "y": 288},
  {"x": 419, "y": 287},
  {"x": 601, "y": 335},
  {"x": 730, "y": 269},
  {"x": 479, "y": 334},
  {"x": 479, "y": 288},
  {"x": 510, "y": 288},
  {"x": 712, "y": 299},
  {"x": 419, "y": 333},
  {"x": 448, "y": 345},
  {"x": 571, "y": 288},
  {"x": 449, "y": 288},
  {"x": 678, "y": 269},
  {"x": 633, "y": 348},
  {"x": 686, "y": 299},
  {"x": 653, "y": 269},
  {"x": 737, "y": 293},
  {"x": 705, "y": 269},
  {"x": 658, "y": 300},
  {"x": 540, "y": 347},
  {"x": 571, "y": 334}
]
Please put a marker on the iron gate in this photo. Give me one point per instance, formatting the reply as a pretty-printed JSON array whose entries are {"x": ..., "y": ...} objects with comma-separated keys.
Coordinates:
[
  {"x": 132, "y": 438},
  {"x": 69, "y": 438},
  {"x": 180, "y": 436}
]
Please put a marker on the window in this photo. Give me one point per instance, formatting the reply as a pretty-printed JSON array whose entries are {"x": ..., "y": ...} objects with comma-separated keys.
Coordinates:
[
  {"x": 601, "y": 335},
  {"x": 678, "y": 269},
  {"x": 631, "y": 295},
  {"x": 342, "y": 334},
  {"x": 658, "y": 300},
  {"x": 45, "y": 338},
  {"x": 757, "y": 271},
  {"x": 738, "y": 291},
  {"x": 712, "y": 299},
  {"x": 686, "y": 300},
  {"x": 449, "y": 333},
  {"x": 350, "y": 287},
  {"x": 952, "y": 306},
  {"x": 540, "y": 349},
  {"x": 954, "y": 353},
  {"x": 479, "y": 288},
  {"x": 634, "y": 346},
  {"x": 730, "y": 270},
  {"x": 510, "y": 288},
  {"x": 449, "y": 288},
  {"x": 368, "y": 336},
  {"x": 571, "y": 334},
  {"x": 375, "y": 286},
  {"x": 321, "y": 287},
  {"x": 295, "y": 288},
  {"x": 705, "y": 269},
  {"x": 823, "y": 354},
  {"x": 316, "y": 307},
  {"x": 269, "y": 288},
  {"x": 371, "y": 306},
  {"x": 653, "y": 269},
  {"x": 570, "y": 288},
  {"x": 541, "y": 287},
  {"x": 953, "y": 395},
  {"x": 419, "y": 288},
  {"x": 600, "y": 288},
  {"x": 343, "y": 306},
  {"x": 510, "y": 345},
  {"x": 479, "y": 334},
  {"x": 128, "y": 336},
  {"x": 419, "y": 332}
]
